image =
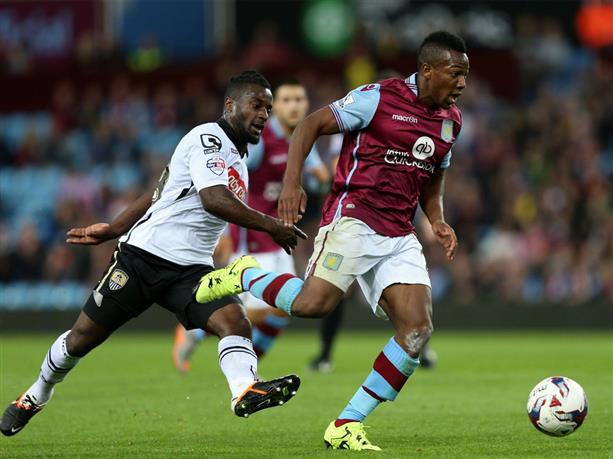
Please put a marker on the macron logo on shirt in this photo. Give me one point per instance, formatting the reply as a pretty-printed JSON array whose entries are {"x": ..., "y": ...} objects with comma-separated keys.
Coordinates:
[{"x": 405, "y": 118}]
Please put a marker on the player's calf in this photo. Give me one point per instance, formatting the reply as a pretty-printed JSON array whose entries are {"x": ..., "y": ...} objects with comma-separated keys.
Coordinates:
[
  {"x": 84, "y": 336},
  {"x": 391, "y": 370},
  {"x": 311, "y": 306},
  {"x": 317, "y": 298},
  {"x": 414, "y": 339}
]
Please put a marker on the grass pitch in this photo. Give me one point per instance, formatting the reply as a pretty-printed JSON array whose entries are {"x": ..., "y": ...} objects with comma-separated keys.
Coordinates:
[{"x": 125, "y": 399}]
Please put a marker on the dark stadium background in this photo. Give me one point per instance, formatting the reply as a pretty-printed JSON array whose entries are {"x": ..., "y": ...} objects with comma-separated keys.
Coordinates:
[{"x": 95, "y": 94}]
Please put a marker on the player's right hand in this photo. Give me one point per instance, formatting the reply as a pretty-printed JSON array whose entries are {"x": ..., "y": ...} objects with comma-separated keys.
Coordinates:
[
  {"x": 91, "y": 235},
  {"x": 292, "y": 204},
  {"x": 287, "y": 237},
  {"x": 446, "y": 236}
]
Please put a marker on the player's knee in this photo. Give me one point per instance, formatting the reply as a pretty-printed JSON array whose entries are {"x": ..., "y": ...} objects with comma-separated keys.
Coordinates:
[{"x": 415, "y": 337}]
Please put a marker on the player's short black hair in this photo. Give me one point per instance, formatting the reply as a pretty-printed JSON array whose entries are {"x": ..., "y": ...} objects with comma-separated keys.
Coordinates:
[
  {"x": 238, "y": 82},
  {"x": 432, "y": 48}
]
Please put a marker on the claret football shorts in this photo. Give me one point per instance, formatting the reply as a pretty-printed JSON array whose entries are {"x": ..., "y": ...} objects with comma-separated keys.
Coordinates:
[{"x": 348, "y": 249}]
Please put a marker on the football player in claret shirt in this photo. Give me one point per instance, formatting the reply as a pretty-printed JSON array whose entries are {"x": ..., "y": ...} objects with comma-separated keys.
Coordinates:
[
  {"x": 266, "y": 163},
  {"x": 166, "y": 242},
  {"x": 399, "y": 134}
]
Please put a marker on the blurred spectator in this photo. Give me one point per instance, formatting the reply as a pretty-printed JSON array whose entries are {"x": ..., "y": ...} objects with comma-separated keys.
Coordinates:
[
  {"x": 80, "y": 190},
  {"x": 14, "y": 58},
  {"x": 95, "y": 52},
  {"x": 266, "y": 50},
  {"x": 63, "y": 108},
  {"x": 65, "y": 263},
  {"x": 360, "y": 67},
  {"x": 27, "y": 258},
  {"x": 147, "y": 57}
]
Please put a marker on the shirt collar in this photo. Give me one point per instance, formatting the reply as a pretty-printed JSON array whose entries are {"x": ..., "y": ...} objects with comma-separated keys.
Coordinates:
[
  {"x": 412, "y": 83},
  {"x": 229, "y": 131}
]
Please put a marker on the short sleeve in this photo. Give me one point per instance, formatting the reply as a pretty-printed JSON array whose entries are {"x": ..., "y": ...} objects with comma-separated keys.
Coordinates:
[
  {"x": 356, "y": 110},
  {"x": 446, "y": 162},
  {"x": 207, "y": 166}
]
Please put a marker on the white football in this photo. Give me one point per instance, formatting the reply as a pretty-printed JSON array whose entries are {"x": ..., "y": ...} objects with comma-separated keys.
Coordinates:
[{"x": 557, "y": 406}]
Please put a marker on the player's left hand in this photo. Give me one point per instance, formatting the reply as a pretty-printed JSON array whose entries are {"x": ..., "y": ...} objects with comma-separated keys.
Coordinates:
[
  {"x": 286, "y": 237},
  {"x": 91, "y": 235},
  {"x": 446, "y": 236}
]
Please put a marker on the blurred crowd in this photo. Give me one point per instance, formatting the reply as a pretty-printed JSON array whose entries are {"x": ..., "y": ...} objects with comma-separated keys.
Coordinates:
[
  {"x": 529, "y": 190},
  {"x": 529, "y": 194}
]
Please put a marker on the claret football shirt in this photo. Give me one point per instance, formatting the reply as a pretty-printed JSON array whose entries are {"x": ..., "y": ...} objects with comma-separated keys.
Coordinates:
[{"x": 392, "y": 145}]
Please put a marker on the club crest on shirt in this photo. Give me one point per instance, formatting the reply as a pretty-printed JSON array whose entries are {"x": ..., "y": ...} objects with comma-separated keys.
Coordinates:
[
  {"x": 118, "y": 279},
  {"x": 216, "y": 165},
  {"x": 447, "y": 131},
  {"x": 333, "y": 261}
]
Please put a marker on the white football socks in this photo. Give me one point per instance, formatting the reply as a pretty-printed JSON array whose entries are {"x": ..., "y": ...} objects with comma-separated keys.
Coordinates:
[
  {"x": 54, "y": 369},
  {"x": 238, "y": 362}
]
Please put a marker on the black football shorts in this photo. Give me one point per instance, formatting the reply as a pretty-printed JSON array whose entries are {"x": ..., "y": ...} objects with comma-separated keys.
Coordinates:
[{"x": 135, "y": 279}]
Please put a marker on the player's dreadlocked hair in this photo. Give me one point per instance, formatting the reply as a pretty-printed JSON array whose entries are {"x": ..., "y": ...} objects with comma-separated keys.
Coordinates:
[
  {"x": 434, "y": 45},
  {"x": 244, "y": 78}
]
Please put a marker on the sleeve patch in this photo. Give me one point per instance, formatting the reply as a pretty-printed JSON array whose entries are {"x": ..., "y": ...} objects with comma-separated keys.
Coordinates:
[
  {"x": 216, "y": 165},
  {"x": 211, "y": 143},
  {"x": 369, "y": 87},
  {"x": 356, "y": 110},
  {"x": 348, "y": 100}
]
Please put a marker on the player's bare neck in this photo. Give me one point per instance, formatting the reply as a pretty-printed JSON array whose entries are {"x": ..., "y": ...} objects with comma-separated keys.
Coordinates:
[
  {"x": 423, "y": 94},
  {"x": 428, "y": 102}
]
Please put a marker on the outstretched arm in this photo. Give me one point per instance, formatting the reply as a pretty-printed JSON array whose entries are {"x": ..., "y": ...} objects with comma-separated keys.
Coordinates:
[
  {"x": 101, "y": 232},
  {"x": 431, "y": 201},
  {"x": 221, "y": 202},
  {"x": 292, "y": 201}
]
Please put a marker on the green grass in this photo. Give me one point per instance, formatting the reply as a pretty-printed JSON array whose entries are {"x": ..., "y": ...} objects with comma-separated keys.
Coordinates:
[{"x": 125, "y": 400}]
